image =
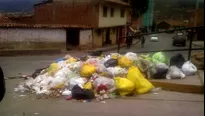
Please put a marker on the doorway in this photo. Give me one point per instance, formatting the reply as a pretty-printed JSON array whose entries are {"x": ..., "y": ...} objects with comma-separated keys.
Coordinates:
[
  {"x": 72, "y": 38},
  {"x": 107, "y": 38}
]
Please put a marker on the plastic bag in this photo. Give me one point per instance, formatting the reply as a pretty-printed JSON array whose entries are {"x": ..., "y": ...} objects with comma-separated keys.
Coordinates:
[
  {"x": 125, "y": 62},
  {"x": 75, "y": 66},
  {"x": 53, "y": 68},
  {"x": 62, "y": 64},
  {"x": 71, "y": 60},
  {"x": 177, "y": 60},
  {"x": 88, "y": 85},
  {"x": 100, "y": 80},
  {"x": 131, "y": 56},
  {"x": 175, "y": 73},
  {"x": 111, "y": 63},
  {"x": 82, "y": 94},
  {"x": 124, "y": 86},
  {"x": 67, "y": 93},
  {"x": 77, "y": 81},
  {"x": 115, "y": 55},
  {"x": 87, "y": 70},
  {"x": 117, "y": 71},
  {"x": 93, "y": 61},
  {"x": 159, "y": 58},
  {"x": 142, "y": 85},
  {"x": 146, "y": 67},
  {"x": 189, "y": 68},
  {"x": 161, "y": 71}
]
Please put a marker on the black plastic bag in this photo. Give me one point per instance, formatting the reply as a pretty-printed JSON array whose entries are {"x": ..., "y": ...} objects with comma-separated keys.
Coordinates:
[
  {"x": 111, "y": 63},
  {"x": 37, "y": 72},
  {"x": 82, "y": 94},
  {"x": 161, "y": 74},
  {"x": 177, "y": 60}
]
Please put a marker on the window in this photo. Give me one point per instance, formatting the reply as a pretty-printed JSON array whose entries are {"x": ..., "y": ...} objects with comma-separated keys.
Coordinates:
[
  {"x": 105, "y": 9},
  {"x": 122, "y": 12},
  {"x": 112, "y": 12}
]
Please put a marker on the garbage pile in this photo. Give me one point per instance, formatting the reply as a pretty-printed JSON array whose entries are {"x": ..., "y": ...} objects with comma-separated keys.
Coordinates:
[{"x": 105, "y": 76}]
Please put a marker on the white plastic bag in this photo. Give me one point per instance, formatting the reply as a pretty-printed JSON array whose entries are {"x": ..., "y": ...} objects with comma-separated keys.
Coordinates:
[
  {"x": 117, "y": 71},
  {"x": 131, "y": 56},
  {"x": 100, "y": 80},
  {"x": 75, "y": 66},
  {"x": 189, "y": 68},
  {"x": 62, "y": 64},
  {"x": 175, "y": 73},
  {"x": 161, "y": 66},
  {"x": 77, "y": 81},
  {"x": 64, "y": 73},
  {"x": 66, "y": 93}
]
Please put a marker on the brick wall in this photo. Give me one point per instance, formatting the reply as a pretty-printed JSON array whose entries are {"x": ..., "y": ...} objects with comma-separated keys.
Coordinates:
[{"x": 75, "y": 14}]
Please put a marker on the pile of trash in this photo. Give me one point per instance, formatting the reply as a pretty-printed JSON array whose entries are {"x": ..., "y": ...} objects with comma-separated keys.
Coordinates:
[{"x": 104, "y": 76}]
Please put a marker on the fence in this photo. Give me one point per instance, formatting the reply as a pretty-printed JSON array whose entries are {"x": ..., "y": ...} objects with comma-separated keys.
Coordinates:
[{"x": 190, "y": 49}]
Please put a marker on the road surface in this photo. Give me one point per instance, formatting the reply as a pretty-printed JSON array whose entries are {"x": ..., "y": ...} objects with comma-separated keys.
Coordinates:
[{"x": 161, "y": 104}]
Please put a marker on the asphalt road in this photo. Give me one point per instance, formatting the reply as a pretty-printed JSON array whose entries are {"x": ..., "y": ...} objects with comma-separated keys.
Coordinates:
[
  {"x": 160, "y": 104},
  {"x": 14, "y": 66}
]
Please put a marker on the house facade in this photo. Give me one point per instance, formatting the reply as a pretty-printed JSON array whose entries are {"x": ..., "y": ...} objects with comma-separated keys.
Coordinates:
[{"x": 85, "y": 24}]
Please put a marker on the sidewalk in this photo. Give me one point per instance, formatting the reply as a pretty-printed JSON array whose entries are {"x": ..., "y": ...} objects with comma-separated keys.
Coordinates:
[
  {"x": 191, "y": 84},
  {"x": 57, "y": 51}
]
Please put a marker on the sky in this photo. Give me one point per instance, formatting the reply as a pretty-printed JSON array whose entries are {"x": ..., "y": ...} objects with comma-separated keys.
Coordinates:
[
  {"x": 17, "y": 5},
  {"x": 27, "y": 5}
]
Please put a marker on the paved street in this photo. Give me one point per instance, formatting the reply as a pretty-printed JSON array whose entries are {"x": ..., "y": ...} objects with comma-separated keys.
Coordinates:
[
  {"x": 163, "y": 103},
  {"x": 14, "y": 66}
]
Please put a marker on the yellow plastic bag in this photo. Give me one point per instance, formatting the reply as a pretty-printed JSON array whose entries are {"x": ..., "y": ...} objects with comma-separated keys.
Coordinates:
[
  {"x": 142, "y": 85},
  {"x": 125, "y": 62},
  {"x": 53, "y": 69},
  {"x": 88, "y": 85},
  {"x": 124, "y": 86},
  {"x": 87, "y": 70},
  {"x": 61, "y": 86},
  {"x": 71, "y": 60}
]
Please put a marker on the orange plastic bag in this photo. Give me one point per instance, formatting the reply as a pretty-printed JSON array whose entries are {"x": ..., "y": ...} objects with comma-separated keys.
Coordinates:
[{"x": 142, "y": 85}]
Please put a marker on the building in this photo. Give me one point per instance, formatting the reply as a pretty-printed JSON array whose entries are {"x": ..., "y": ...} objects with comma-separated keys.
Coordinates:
[
  {"x": 61, "y": 24},
  {"x": 196, "y": 19}
]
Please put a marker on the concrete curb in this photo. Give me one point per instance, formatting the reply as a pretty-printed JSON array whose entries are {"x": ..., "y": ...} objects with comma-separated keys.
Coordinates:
[{"x": 184, "y": 88}]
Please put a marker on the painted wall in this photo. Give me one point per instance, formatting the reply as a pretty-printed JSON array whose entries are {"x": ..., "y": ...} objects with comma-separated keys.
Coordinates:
[
  {"x": 19, "y": 38},
  {"x": 111, "y": 21},
  {"x": 113, "y": 35},
  {"x": 86, "y": 38},
  {"x": 98, "y": 38}
]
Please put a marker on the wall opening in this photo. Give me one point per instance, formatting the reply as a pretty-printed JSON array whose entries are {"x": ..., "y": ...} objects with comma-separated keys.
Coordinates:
[
  {"x": 72, "y": 37},
  {"x": 107, "y": 37}
]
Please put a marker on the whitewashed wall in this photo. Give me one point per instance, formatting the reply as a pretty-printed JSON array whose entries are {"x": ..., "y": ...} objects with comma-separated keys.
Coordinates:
[
  {"x": 86, "y": 37},
  {"x": 109, "y": 21},
  {"x": 32, "y": 35}
]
